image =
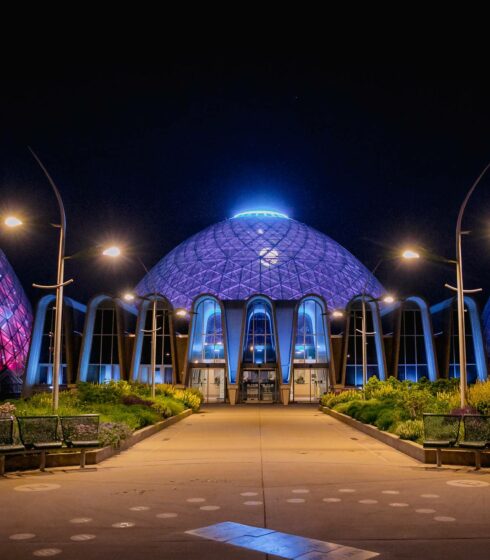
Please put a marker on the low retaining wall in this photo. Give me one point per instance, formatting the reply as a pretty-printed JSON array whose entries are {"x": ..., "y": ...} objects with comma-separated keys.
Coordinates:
[
  {"x": 72, "y": 458},
  {"x": 414, "y": 450}
]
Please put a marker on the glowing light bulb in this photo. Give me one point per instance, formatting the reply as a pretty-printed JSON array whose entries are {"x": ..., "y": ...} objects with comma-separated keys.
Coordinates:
[
  {"x": 12, "y": 222},
  {"x": 409, "y": 254},
  {"x": 112, "y": 252}
]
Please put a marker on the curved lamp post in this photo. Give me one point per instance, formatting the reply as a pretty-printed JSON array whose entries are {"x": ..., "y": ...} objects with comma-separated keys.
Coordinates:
[
  {"x": 460, "y": 290},
  {"x": 458, "y": 262},
  {"x": 12, "y": 221},
  {"x": 60, "y": 284}
]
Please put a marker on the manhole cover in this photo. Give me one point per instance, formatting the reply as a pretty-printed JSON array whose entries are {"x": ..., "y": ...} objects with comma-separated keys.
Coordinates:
[{"x": 467, "y": 483}]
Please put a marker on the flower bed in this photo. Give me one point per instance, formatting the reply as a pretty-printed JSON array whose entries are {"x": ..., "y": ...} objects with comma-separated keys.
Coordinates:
[
  {"x": 397, "y": 406},
  {"x": 123, "y": 407}
]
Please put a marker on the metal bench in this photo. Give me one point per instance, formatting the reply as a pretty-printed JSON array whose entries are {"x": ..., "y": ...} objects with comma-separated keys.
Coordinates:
[
  {"x": 476, "y": 435},
  {"x": 7, "y": 445},
  {"x": 39, "y": 433},
  {"x": 81, "y": 432},
  {"x": 441, "y": 431}
]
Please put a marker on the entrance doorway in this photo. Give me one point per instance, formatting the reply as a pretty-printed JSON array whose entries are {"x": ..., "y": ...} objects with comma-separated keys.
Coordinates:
[
  {"x": 309, "y": 384},
  {"x": 259, "y": 385},
  {"x": 211, "y": 383}
]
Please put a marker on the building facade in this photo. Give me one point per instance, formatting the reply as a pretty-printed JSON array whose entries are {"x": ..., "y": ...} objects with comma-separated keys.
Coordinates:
[{"x": 248, "y": 310}]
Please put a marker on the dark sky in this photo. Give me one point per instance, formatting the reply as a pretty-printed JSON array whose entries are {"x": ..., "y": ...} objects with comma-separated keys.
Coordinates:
[{"x": 373, "y": 153}]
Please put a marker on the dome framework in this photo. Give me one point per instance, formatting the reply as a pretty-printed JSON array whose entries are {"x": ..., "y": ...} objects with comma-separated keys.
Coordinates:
[{"x": 259, "y": 253}]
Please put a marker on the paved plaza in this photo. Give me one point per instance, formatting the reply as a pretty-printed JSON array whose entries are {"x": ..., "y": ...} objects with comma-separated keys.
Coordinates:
[{"x": 287, "y": 469}]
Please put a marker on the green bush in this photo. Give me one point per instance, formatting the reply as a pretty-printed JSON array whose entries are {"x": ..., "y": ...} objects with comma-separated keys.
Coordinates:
[
  {"x": 398, "y": 405},
  {"x": 410, "y": 429},
  {"x": 332, "y": 400},
  {"x": 479, "y": 396},
  {"x": 113, "y": 433},
  {"x": 112, "y": 392}
]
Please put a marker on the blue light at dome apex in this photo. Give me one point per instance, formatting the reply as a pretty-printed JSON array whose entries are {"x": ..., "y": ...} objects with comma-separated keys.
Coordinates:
[{"x": 263, "y": 213}]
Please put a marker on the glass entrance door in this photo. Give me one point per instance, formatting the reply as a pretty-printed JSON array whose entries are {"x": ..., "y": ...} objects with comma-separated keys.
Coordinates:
[
  {"x": 211, "y": 383},
  {"x": 309, "y": 384},
  {"x": 259, "y": 385}
]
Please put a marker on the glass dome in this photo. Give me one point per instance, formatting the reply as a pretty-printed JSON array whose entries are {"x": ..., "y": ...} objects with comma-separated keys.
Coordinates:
[
  {"x": 259, "y": 252},
  {"x": 15, "y": 320}
]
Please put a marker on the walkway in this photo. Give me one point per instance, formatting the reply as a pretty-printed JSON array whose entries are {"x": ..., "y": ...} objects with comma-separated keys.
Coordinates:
[{"x": 290, "y": 469}]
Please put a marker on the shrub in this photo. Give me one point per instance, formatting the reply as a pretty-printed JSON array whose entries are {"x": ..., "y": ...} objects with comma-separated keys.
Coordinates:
[
  {"x": 410, "y": 429},
  {"x": 112, "y": 392},
  {"x": 189, "y": 397},
  {"x": 113, "y": 433},
  {"x": 479, "y": 396},
  {"x": 331, "y": 400},
  {"x": 387, "y": 418},
  {"x": 135, "y": 399},
  {"x": 168, "y": 407}
]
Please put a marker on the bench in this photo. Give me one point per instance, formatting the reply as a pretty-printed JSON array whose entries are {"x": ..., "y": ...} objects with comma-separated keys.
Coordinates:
[
  {"x": 81, "y": 432},
  {"x": 476, "y": 435},
  {"x": 39, "y": 433},
  {"x": 441, "y": 431},
  {"x": 7, "y": 445}
]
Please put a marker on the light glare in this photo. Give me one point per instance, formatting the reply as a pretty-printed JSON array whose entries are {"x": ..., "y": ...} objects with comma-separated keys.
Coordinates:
[
  {"x": 409, "y": 254},
  {"x": 112, "y": 252},
  {"x": 12, "y": 221}
]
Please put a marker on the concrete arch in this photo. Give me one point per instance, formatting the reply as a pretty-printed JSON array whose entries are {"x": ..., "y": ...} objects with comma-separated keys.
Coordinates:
[{"x": 35, "y": 348}]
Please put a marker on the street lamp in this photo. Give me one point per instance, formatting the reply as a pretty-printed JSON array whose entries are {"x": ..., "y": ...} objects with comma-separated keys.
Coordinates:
[
  {"x": 458, "y": 262},
  {"x": 12, "y": 222}
]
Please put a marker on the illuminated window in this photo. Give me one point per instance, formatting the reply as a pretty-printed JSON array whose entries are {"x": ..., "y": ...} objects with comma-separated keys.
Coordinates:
[
  {"x": 412, "y": 358},
  {"x": 207, "y": 335},
  {"x": 44, "y": 373},
  {"x": 310, "y": 344},
  {"x": 260, "y": 347},
  {"x": 163, "y": 364},
  {"x": 104, "y": 352},
  {"x": 354, "y": 346}
]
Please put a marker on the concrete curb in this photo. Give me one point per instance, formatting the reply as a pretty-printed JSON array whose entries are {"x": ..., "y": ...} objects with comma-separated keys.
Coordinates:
[
  {"x": 414, "y": 450},
  {"x": 70, "y": 459}
]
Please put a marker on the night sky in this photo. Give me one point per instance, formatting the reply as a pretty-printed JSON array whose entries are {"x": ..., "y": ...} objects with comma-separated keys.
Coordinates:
[{"x": 375, "y": 155}]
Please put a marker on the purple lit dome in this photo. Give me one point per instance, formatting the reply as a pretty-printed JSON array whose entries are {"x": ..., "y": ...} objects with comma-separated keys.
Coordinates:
[
  {"x": 15, "y": 322},
  {"x": 259, "y": 252}
]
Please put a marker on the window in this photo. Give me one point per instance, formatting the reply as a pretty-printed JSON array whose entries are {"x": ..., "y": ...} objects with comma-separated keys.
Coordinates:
[
  {"x": 354, "y": 346},
  {"x": 311, "y": 341},
  {"x": 207, "y": 336},
  {"x": 104, "y": 353},
  {"x": 44, "y": 374},
  {"x": 163, "y": 364},
  {"x": 260, "y": 347},
  {"x": 412, "y": 358}
]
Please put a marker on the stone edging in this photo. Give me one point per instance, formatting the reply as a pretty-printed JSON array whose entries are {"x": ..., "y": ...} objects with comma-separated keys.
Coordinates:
[
  {"x": 69, "y": 459},
  {"x": 414, "y": 450}
]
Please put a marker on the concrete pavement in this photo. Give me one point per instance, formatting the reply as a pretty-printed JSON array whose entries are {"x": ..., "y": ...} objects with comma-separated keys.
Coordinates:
[{"x": 290, "y": 469}]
